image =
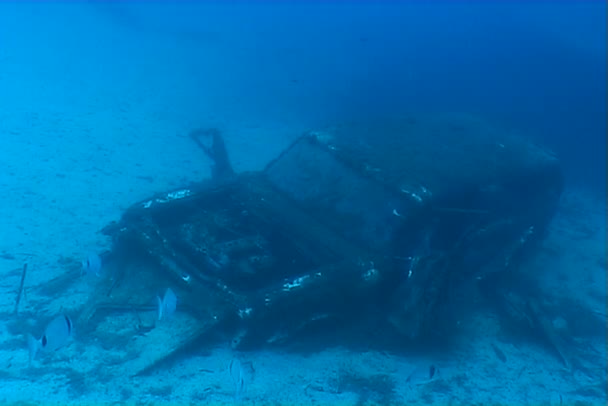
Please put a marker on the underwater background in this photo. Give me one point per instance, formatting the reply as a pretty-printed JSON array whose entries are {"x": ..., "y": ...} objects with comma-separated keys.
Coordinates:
[
  {"x": 539, "y": 66},
  {"x": 97, "y": 99}
]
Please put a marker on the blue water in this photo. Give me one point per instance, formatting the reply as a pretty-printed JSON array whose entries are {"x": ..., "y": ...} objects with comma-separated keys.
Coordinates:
[
  {"x": 96, "y": 99},
  {"x": 536, "y": 67}
]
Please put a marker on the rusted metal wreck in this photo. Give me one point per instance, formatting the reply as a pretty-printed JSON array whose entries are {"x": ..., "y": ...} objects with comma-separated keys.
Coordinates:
[{"x": 381, "y": 224}]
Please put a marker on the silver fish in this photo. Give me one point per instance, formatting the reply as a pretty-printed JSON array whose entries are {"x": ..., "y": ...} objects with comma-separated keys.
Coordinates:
[
  {"x": 423, "y": 375},
  {"x": 167, "y": 305},
  {"x": 92, "y": 265},
  {"x": 242, "y": 374},
  {"x": 56, "y": 335},
  {"x": 238, "y": 378}
]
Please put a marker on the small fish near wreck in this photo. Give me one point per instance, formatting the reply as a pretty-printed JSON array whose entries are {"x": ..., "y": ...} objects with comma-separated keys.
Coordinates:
[
  {"x": 242, "y": 374},
  {"x": 56, "y": 335},
  {"x": 92, "y": 265},
  {"x": 167, "y": 305},
  {"x": 236, "y": 372},
  {"x": 423, "y": 375}
]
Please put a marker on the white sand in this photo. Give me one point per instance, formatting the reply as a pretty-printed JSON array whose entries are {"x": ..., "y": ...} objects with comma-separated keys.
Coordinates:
[{"x": 92, "y": 119}]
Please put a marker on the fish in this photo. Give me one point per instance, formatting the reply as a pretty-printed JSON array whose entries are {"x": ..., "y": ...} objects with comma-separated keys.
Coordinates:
[
  {"x": 167, "y": 305},
  {"x": 499, "y": 354},
  {"x": 92, "y": 265},
  {"x": 242, "y": 374},
  {"x": 56, "y": 335},
  {"x": 423, "y": 375},
  {"x": 238, "y": 377}
]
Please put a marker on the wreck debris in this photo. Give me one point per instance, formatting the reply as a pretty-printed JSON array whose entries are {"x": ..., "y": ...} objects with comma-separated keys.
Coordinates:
[
  {"x": 20, "y": 290},
  {"x": 387, "y": 215}
]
